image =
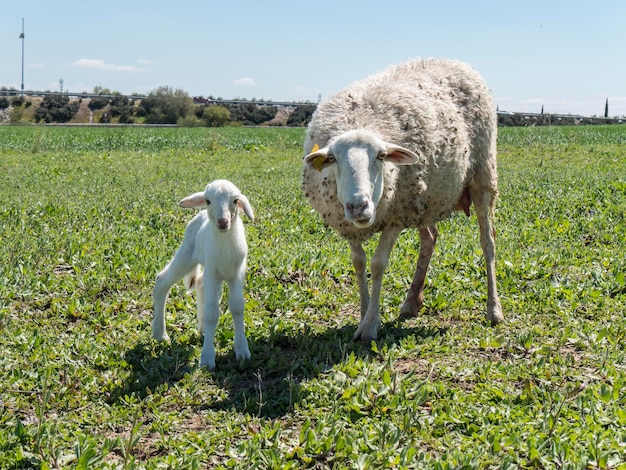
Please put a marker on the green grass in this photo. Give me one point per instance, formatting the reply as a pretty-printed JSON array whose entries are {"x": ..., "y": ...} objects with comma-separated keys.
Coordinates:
[{"x": 89, "y": 216}]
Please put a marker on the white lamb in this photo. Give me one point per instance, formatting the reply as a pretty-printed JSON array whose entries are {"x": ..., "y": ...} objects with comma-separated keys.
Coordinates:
[
  {"x": 215, "y": 239},
  {"x": 403, "y": 149}
]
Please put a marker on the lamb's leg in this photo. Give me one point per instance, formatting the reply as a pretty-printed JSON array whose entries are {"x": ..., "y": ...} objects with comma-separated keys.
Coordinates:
[
  {"x": 482, "y": 200},
  {"x": 211, "y": 315},
  {"x": 200, "y": 302},
  {"x": 368, "y": 328},
  {"x": 415, "y": 295},
  {"x": 236, "y": 306},
  {"x": 359, "y": 260},
  {"x": 172, "y": 273}
]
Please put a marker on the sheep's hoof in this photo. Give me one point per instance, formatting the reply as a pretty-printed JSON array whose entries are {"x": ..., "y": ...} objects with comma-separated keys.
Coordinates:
[
  {"x": 494, "y": 313},
  {"x": 412, "y": 305},
  {"x": 367, "y": 340},
  {"x": 365, "y": 337},
  {"x": 407, "y": 312}
]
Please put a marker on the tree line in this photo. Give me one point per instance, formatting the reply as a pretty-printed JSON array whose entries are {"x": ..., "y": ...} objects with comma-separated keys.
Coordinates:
[{"x": 165, "y": 105}]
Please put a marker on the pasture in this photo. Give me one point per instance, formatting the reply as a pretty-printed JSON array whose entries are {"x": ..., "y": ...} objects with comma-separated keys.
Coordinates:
[{"x": 88, "y": 216}]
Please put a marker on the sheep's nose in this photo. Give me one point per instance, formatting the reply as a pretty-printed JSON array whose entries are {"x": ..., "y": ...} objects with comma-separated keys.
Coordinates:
[
  {"x": 222, "y": 223},
  {"x": 358, "y": 208}
]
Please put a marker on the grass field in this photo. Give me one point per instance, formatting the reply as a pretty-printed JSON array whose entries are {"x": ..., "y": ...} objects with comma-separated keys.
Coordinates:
[{"x": 89, "y": 216}]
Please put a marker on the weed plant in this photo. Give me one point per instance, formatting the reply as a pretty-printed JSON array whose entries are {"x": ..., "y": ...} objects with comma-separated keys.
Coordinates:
[{"x": 89, "y": 216}]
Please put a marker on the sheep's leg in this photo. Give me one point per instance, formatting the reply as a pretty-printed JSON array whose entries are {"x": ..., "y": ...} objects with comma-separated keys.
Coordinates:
[
  {"x": 172, "y": 273},
  {"x": 368, "y": 328},
  {"x": 236, "y": 306},
  {"x": 211, "y": 315},
  {"x": 483, "y": 204},
  {"x": 359, "y": 260},
  {"x": 415, "y": 295}
]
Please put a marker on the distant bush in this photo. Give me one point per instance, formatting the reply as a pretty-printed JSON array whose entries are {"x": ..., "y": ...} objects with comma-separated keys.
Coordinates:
[
  {"x": 122, "y": 108},
  {"x": 301, "y": 116},
  {"x": 98, "y": 103},
  {"x": 216, "y": 116},
  {"x": 17, "y": 101},
  {"x": 250, "y": 114},
  {"x": 4, "y": 102},
  {"x": 191, "y": 120},
  {"x": 165, "y": 106},
  {"x": 56, "y": 108}
]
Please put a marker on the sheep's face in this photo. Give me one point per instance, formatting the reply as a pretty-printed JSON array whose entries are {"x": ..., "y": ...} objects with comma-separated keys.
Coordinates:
[
  {"x": 357, "y": 158},
  {"x": 222, "y": 201}
]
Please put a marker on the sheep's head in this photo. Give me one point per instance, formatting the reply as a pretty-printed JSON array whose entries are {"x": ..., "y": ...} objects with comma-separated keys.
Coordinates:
[
  {"x": 357, "y": 158},
  {"x": 222, "y": 200}
]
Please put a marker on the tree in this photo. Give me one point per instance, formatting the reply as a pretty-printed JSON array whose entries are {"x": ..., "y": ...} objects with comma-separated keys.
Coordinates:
[
  {"x": 56, "y": 108},
  {"x": 301, "y": 116},
  {"x": 165, "y": 106},
  {"x": 216, "y": 116},
  {"x": 98, "y": 102}
]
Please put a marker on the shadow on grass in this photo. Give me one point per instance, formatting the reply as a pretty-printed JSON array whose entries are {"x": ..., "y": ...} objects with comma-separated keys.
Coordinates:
[{"x": 269, "y": 385}]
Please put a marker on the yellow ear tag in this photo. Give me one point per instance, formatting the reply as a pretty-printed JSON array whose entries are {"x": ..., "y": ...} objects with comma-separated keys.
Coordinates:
[
  {"x": 315, "y": 148},
  {"x": 318, "y": 162}
]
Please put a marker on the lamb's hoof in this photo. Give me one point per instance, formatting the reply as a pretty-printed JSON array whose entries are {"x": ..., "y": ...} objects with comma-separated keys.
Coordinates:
[
  {"x": 242, "y": 357},
  {"x": 161, "y": 336},
  {"x": 207, "y": 365},
  {"x": 207, "y": 360},
  {"x": 159, "y": 331}
]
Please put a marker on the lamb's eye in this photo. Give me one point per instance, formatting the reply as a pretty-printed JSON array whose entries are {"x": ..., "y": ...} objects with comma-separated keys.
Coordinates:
[
  {"x": 236, "y": 201},
  {"x": 331, "y": 158},
  {"x": 208, "y": 203},
  {"x": 382, "y": 155}
]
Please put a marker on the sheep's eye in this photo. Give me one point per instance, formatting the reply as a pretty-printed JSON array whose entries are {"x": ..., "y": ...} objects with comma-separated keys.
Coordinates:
[
  {"x": 331, "y": 158},
  {"x": 208, "y": 203},
  {"x": 236, "y": 201},
  {"x": 382, "y": 155}
]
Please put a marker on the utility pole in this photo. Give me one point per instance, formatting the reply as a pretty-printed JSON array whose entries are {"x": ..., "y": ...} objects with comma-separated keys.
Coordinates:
[{"x": 22, "y": 38}]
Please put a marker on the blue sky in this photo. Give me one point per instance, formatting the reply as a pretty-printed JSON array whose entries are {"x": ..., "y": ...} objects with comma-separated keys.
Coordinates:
[{"x": 569, "y": 56}]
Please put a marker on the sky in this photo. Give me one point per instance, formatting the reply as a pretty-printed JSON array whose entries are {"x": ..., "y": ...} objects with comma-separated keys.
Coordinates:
[{"x": 567, "y": 56}]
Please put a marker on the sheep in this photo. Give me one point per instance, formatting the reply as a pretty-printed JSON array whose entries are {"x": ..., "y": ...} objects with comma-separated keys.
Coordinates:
[
  {"x": 400, "y": 149},
  {"x": 215, "y": 239}
]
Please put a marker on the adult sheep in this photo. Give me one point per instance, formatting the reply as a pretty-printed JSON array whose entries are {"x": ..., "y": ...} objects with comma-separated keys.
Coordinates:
[{"x": 400, "y": 149}]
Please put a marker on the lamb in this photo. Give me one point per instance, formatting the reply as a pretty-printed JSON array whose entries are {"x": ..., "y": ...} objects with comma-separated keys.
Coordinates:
[
  {"x": 400, "y": 149},
  {"x": 215, "y": 239}
]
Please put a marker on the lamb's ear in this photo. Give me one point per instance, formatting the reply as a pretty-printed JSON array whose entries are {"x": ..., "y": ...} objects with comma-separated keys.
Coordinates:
[
  {"x": 318, "y": 158},
  {"x": 400, "y": 155},
  {"x": 195, "y": 200},
  {"x": 245, "y": 206}
]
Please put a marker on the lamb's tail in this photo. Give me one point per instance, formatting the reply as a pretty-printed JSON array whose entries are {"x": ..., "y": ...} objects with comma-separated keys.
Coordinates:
[{"x": 193, "y": 278}]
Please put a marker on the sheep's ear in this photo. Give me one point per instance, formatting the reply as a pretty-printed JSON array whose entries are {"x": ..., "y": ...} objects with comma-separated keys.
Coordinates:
[
  {"x": 245, "y": 206},
  {"x": 400, "y": 155},
  {"x": 318, "y": 158},
  {"x": 195, "y": 200}
]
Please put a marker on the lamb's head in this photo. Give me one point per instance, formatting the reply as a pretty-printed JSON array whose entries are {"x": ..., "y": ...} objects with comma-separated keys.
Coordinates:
[
  {"x": 222, "y": 200},
  {"x": 357, "y": 158}
]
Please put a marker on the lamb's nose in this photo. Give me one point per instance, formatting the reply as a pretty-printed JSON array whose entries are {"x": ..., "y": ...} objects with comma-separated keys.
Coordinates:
[{"x": 222, "y": 224}]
